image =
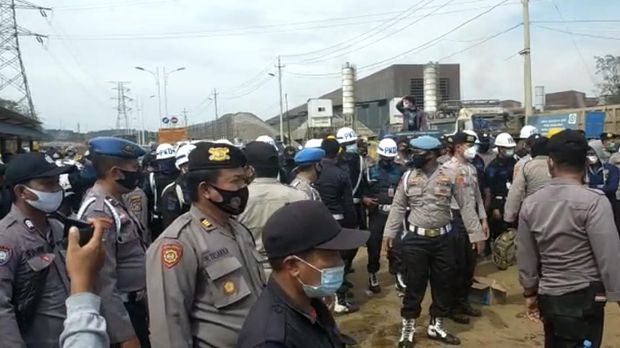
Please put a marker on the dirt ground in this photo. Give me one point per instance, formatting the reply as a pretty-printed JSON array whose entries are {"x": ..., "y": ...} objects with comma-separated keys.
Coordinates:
[{"x": 377, "y": 324}]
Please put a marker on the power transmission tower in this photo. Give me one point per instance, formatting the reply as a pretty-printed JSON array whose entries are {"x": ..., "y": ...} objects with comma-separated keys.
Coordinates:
[
  {"x": 121, "y": 104},
  {"x": 12, "y": 72}
]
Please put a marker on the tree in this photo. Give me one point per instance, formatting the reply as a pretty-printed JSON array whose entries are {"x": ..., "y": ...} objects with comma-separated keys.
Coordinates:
[{"x": 608, "y": 67}]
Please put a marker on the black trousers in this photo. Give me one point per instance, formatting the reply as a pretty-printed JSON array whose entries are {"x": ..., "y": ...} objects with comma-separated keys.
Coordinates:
[
  {"x": 425, "y": 258},
  {"x": 138, "y": 313},
  {"x": 571, "y": 318},
  {"x": 347, "y": 257},
  {"x": 465, "y": 261},
  {"x": 376, "y": 224}
]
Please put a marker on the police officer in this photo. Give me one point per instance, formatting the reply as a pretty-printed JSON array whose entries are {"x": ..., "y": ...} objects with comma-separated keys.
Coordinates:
[
  {"x": 499, "y": 175},
  {"x": 288, "y": 163},
  {"x": 266, "y": 193},
  {"x": 334, "y": 186},
  {"x": 427, "y": 247},
  {"x": 308, "y": 162},
  {"x": 33, "y": 280},
  {"x": 175, "y": 197},
  {"x": 165, "y": 173},
  {"x": 203, "y": 272},
  {"x": 353, "y": 163},
  {"x": 302, "y": 241},
  {"x": 447, "y": 148},
  {"x": 122, "y": 279},
  {"x": 466, "y": 242},
  {"x": 529, "y": 178},
  {"x": 382, "y": 179},
  {"x": 568, "y": 289}
]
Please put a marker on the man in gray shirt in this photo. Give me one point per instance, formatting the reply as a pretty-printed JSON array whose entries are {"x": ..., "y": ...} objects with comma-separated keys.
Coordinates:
[{"x": 568, "y": 249}]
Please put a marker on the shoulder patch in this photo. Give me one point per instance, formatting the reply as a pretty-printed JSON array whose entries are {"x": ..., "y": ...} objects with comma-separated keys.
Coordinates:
[
  {"x": 5, "y": 255},
  {"x": 29, "y": 225},
  {"x": 171, "y": 254}
]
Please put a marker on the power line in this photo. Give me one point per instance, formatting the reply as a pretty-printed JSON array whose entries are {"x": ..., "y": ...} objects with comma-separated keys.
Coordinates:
[
  {"x": 579, "y": 34},
  {"x": 108, "y": 5},
  {"x": 578, "y": 21},
  {"x": 482, "y": 41}
]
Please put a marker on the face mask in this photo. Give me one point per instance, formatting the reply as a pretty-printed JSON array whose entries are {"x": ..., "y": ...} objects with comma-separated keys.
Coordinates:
[
  {"x": 386, "y": 163},
  {"x": 331, "y": 280},
  {"x": 351, "y": 148},
  {"x": 131, "y": 180},
  {"x": 233, "y": 202},
  {"x": 483, "y": 148},
  {"x": 47, "y": 202},
  {"x": 418, "y": 161},
  {"x": 510, "y": 152},
  {"x": 592, "y": 159},
  {"x": 470, "y": 153}
]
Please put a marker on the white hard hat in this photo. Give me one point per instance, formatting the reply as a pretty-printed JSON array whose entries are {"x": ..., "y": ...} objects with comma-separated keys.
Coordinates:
[
  {"x": 387, "y": 148},
  {"x": 346, "y": 135},
  {"x": 504, "y": 140},
  {"x": 313, "y": 143},
  {"x": 223, "y": 141},
  {"x": 266, "y": 139},
  {"x": 164, "y": 151},
  {"x": 527, "y": 131},
  {"x": 182, "y": 155},
  {"x": 472, "y": 133}
]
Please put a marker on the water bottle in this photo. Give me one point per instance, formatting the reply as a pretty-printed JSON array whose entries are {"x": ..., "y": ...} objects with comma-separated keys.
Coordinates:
[{"x": 587, "y": 344}]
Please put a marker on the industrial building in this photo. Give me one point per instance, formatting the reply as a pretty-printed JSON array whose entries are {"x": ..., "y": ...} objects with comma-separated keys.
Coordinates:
[
  {"x": 18, "y": 131},
  {"x": 374, "y": 92},
  {"x": 242, "y": 126}
]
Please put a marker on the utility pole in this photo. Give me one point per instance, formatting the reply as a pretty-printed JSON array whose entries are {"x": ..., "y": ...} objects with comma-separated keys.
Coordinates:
[
  {"x": 288, "y": 121},
  {"x": 216, "y": 124},
  {"x": 280, "y": 66},
  {"x": 185, "y": 117},
  {"x": 527, "y": 55},
  {"x": 12, "y": 71}
]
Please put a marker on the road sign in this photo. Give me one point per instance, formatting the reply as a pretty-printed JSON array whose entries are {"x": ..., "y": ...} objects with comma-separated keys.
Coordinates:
[
  {"x": 545, "y": 122},
  {"x": 165, "y": 120},
  {"x": 174, "y": 120}
]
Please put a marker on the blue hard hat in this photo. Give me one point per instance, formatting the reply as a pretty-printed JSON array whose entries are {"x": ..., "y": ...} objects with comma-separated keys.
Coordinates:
[
  {"x": 425, "y": 142},
  {"x": 115, "y": 147},
  {"x": 309, "y": 155}
]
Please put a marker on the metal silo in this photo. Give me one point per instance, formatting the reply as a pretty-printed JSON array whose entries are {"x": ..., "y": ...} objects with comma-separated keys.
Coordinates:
[
  {"x": 431, "y": 87},
  {"x": 348, "y": 95}
]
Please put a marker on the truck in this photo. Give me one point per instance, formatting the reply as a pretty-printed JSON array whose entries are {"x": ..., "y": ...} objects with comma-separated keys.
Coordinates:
[{"x": 478, "y": 115}]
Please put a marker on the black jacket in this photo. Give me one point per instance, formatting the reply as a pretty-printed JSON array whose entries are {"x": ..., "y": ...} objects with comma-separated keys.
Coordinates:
[{"x": 335, "y": 189}]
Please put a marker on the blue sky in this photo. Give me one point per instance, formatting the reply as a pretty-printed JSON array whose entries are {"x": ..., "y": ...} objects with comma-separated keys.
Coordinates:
[{"x": 93, "y": 42}]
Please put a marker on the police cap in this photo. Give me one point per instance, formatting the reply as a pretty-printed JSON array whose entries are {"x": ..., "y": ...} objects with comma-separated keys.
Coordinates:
[
  {"x": 305, "y": 225},
  {"x": 261, "y": 155},
  {"x": 568, "y": 144},
  {"x": 463, "y": 138},
  {"x": 32, "y": 165},
  {"x": 209, "y": 156},
  {"x": 607, "y": 136},
  {"x": 425, "y": 142},
  {"x": 115, "y": 147},
  {"x": 309, "y": 156}
]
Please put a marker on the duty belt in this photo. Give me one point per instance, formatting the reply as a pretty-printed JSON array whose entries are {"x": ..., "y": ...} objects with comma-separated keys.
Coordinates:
[
  {"x": 356, "y": 200},
  {"x": 385, "y": 208},
  {"x": 430, "y": 232},
  {"x": 134, "y": 296}
]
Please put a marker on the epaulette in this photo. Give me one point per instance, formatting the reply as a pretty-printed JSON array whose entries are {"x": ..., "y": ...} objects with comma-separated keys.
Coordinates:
[
  {"x": 595, "y": 190},
  {"x": 177, "y": 226}
]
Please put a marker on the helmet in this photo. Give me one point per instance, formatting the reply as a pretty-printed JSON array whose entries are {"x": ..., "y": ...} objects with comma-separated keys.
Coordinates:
[
  {"x": 504, "y": 140},
  {"x": 504, "y": 252},
  {"x": 313, "y": 143},
  {"x": 164, "y": 151},
  {"x": 267, "y": 139},
  {"x": 472, "y": 133},
  {"x": 387, "y": 148},
  {"x": 553, "y": 131},
  {"x": 223, "y": 141},
  {"x": 346, "y": 135},
  {"x": 182, "y": 155},
  {"x": 527, "y": 131}
]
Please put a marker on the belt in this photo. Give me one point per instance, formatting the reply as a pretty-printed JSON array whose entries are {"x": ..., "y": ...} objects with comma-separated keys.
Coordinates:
[
  {"x": 385, "y": 207},
  {"x": 501, "y": 198},
  {"x": 356, "y": 200},
  {"x": 134, "y": 296},
  {"x": 338, "y": 217},
  {"x": 431, "y": 232}
]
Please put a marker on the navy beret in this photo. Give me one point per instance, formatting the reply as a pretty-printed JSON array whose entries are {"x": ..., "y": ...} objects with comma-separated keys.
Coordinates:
[
  {"x": 425, "y": 142},
  {"x": 308, "y": 156},
  {"x": 115, "y": 147}
]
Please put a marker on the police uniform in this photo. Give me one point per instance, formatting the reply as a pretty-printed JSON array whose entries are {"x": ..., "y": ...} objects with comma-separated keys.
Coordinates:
[
  {"x": 426, "y": 246},
  {"x": 33, "y": 279},
  {"x": 531, "y": 177},
  {"x": 203, "y": 278},
  {"x": 137, "y": 202},
  {"x": 275, "y": 320},
  {"x": 122, "y": 279},
  {"x": 165, "y": 174},
  {"x": 306, "y": 157},
  {"x": 570, "y": 286},
  {"x": 499, "y": 175}
]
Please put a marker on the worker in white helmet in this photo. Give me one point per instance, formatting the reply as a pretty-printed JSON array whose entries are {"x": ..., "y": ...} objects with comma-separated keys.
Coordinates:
[
  {"x": 175, "y": 196},
  {"x": 165, "y": 173},
  {"x": 313, "y": 143},
  {"x": 523, "y": 146},
  {"x": 267, "y": 139}
]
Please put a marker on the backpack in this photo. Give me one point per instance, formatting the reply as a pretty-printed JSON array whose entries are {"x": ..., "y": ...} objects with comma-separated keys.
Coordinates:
[{"x": 504, "y": 250}]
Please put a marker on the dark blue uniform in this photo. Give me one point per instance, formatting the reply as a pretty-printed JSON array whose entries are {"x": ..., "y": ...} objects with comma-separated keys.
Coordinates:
[
  {"x": 499, "y": 175},
  {"x": 478, "y": 162},
  {"x": 605, "y": 178}
]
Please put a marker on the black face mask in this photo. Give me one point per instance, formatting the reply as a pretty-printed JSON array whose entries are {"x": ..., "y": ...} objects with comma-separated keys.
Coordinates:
[
  {"x": 385, "y": 163},
  {"x": 418, "y": 161},
  {"x": 131, "y": 180},
  {"x": 234, "y": 202},
  {"x": 484, "y": 148}
]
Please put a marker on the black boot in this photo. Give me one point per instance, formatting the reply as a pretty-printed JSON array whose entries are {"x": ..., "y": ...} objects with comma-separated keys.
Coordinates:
[
  {"x": 437, "y": 331},
  {"x": 407, "y": 331}
]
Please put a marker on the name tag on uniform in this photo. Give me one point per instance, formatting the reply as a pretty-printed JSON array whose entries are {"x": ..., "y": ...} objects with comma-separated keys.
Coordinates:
[{"x": 391, "y": 192}]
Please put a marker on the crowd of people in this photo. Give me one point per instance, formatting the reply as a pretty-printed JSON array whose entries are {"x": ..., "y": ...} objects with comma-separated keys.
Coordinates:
[{"x": 208, "y": 244}]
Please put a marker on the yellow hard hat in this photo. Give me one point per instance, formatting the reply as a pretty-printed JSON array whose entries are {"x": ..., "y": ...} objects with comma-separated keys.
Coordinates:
[{"x": 553, "y": 131}]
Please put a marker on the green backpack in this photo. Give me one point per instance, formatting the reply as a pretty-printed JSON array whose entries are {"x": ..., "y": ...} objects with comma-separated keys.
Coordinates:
[{"x": 504, "y": 252}]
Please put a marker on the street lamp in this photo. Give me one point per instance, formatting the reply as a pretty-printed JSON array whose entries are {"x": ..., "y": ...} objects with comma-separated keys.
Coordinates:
[
  {"x": 166, "y": 75},
  {"x": 156, "y": 76}
]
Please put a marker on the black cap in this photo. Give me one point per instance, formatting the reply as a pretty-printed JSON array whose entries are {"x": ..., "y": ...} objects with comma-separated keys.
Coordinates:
[
  {"x": 607, "y": 136},
  {"x": 331, "y": 147},
  {"x": 484, "y": 138},
  {"x": 305, "y": 225},
  {"x": 261, "y": 155},
  {"x": 538, "y": 143},
  {"x": 568, "y": 144},
  {"x": 463, "y": 138},
  {"x": 208, "y": 156},
  {"x": 32, "y": 165}
]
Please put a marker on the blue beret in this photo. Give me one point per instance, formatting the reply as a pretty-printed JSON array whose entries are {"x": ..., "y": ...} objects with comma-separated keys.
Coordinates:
[
  {"x": 115, "y": 147},
  {"x": 309, "y": 155},
  {"x": 425, "y": 142}
]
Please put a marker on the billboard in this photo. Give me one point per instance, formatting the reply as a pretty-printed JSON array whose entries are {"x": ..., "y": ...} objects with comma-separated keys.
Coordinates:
[
  {"x": 545, "y": 122},
  {"x": 171, "y": 135}
]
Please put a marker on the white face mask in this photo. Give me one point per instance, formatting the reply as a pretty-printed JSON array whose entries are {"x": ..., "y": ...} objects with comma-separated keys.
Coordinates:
[
  {"x": 592, "y": 159},
  {"x": 47, "y": 202},
  {"x": 510, "y": 152},
  {"x": 471, "y": 152}
]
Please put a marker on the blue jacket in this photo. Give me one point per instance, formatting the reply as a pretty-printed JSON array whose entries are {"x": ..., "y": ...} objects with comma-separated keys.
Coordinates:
[
  {"x": 605, "y": 178},
  {"x": 499, "y": 175},
  {"x": 381, "y": 179}
]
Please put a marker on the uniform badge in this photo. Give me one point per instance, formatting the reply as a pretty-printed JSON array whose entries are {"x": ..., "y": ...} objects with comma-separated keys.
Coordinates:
[
  {"x": 29, "y": 225},
  {"x": 171, "y": 254},
  {"x": 229, "y": 288},
  {"x": 128, "y": 149},
  {"x": 206, "y": 224},
  {"x": 5, "y": 255},
  {"x": 219, "y": 154},
  {"x": 136, "y": 204}
]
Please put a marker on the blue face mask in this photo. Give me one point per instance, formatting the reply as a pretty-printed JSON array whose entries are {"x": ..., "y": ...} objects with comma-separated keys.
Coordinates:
[
  {"x": 331, "y": 280},
  {"x": 351, "y": 148}
]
